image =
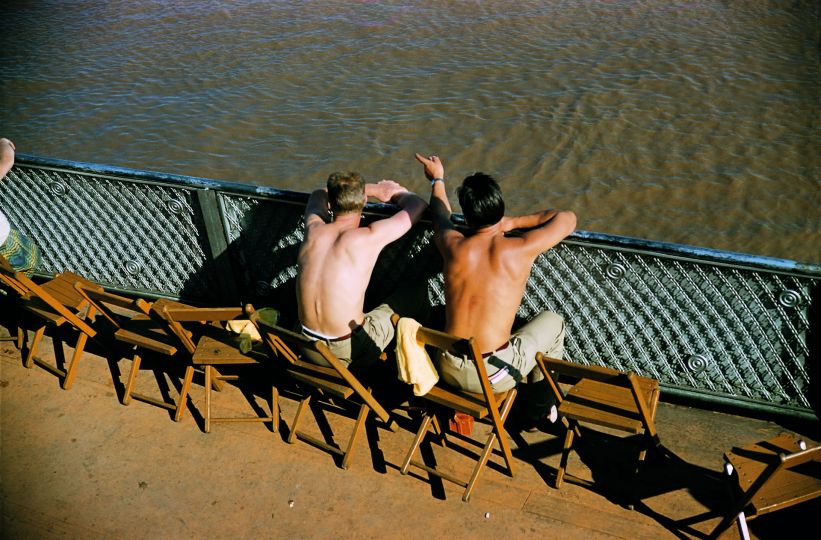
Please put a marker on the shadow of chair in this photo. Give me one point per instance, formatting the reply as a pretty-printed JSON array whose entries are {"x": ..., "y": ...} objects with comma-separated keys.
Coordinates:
[
  {"x": 333, "y": 384},
  {"x": 768, "y": 476},
  {"x": 606, "y": 398},
  {"x": 55, "y": 303},
  {"x": 487, "y": 406}
]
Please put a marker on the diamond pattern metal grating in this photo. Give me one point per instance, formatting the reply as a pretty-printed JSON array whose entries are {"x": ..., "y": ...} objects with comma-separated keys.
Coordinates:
[{"x": 717, "y": 331}]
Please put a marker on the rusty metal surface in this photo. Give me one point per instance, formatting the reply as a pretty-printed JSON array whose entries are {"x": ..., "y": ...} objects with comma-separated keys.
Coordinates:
[{"x": 710, "y": 325}]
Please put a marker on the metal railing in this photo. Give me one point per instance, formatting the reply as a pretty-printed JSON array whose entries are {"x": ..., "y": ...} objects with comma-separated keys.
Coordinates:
[{"x": 711, "y": 325}]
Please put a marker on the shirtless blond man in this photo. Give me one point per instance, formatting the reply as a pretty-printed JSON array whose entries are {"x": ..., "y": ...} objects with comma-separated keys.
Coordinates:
[
  {"x": 485, "y": 273},
  {"x": 336, "y": 261}
]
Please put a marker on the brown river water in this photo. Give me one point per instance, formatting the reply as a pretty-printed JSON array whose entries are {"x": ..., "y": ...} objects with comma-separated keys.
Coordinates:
[{"x": 694, "y": 122}]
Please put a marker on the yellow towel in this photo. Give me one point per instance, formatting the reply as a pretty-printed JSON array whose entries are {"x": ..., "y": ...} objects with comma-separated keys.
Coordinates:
[
  {"x": 415, "y": 366},
  {"x": 243, "y": 326}
]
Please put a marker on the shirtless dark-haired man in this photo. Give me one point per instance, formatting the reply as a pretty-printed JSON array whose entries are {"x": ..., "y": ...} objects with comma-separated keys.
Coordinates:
[{"x": 485, "y": 274}]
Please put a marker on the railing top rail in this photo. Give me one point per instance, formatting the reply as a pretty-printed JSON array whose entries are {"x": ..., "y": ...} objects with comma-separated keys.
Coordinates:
[{"x": 607, "y": 241}]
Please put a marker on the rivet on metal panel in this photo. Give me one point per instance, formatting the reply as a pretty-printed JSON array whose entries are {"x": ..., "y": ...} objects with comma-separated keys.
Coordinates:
[
  {"x": 697, "y": 363},
  {"x": 615, "y": 271},
  {"x": 133, "y": 267},
  {"x": 263, "y": 288},
  {"x": 58, "y": 188},
  {"x": 175, "y": 206},
  {"x": 789, "y": 298}
]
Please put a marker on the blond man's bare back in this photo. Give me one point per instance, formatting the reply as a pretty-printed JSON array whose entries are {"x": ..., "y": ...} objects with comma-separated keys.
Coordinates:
[
  {"x": 335, "y": 266},
  {"x": 337, "y": 257}
]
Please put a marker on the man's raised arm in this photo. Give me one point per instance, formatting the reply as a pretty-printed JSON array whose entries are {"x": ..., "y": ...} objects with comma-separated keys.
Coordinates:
[
  {"x": 544, "y": 229},
  {"x": 412, "y": 207},
  {"x": 439, "y": 204},
  {"x": 317, "y": 210}
]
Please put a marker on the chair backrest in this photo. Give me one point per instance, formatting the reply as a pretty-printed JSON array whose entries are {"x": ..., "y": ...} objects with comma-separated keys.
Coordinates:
[
  {"x": 291, "y": 347},
  {"x": 35, "y": 292},
  {"x": 173, "y": 316},
  {"x": 644, "y": 391},
  {"x": 467, "y": 349},
  {"x": 113, "y": 307}
]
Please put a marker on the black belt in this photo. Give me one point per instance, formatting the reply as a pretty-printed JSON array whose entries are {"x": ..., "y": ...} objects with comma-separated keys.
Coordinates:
[{"x": 503, "y": 347}]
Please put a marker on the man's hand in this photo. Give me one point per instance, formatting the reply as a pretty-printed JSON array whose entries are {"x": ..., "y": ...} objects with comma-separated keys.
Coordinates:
[
  {"x": 384, "y": 191},
  {"x": 433, "y": 166}
]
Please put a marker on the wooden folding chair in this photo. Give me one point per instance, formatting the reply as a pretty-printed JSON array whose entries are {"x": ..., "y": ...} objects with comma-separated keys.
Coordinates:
[
  {"x": 217, "y": 346},
  {"x": 485, "y": 406},
  {"x": 322, "y": 382},
  {"x": 602, "y": 397},
  {"x": 148, "y": 328},
  {"x": 132, "y": 327},
  {"x": 769, "y": 476},
  {"x": 55, "y": 303}
]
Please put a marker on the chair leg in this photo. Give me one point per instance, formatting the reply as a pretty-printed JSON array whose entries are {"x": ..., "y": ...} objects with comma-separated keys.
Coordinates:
[
  {"x": 274, "y": 409},
  {"x": 216, "y": 382},
  {"x": 742, "y": 526},
  {"x": 302, "y": 405},
  {"x": 726, "y": 521},
  {"x": 420, "y": 435},
  {"x": 71, "y": 371},
  {"x": 208, "y": 399},
  {"x": 503, "y": 442},
  {"x": 357, "y": 431},
  {"x": 18, "y": 339},
  {"x": 38, "y": 335},
  {"x": 439, "y": 432},
  {"x": 568, "y": 443},
  {"x": 479, "y": 466},
  {"x": 183, "y": 399},
  {"x": 132, "y": 376}
]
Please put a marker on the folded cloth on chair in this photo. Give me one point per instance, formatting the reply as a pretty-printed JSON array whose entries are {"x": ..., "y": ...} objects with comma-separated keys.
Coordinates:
[
  {"x": 243, "y": 326},
  {"x": 412, "y": 360}
]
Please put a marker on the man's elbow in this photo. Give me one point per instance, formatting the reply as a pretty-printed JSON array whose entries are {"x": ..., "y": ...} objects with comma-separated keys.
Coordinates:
[{"x": 415, "y": 206}]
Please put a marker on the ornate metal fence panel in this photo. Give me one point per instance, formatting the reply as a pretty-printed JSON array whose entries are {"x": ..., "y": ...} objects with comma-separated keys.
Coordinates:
[
  {"x": 124, "y": 234},
  {"x": 710, "y": 325}
]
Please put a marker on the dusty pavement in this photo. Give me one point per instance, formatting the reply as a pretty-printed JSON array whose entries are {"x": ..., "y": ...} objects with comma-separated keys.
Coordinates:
[{"x": 78, "y": 464}]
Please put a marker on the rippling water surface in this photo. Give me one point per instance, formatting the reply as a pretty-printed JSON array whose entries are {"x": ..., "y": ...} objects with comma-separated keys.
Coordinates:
[{"x": 692, "y": 122}]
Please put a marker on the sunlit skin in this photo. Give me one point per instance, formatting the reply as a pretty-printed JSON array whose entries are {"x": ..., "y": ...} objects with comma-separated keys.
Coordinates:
[
  {"x": 486, "y": 271},
  {"x": 7, "y": 150},
  {"x": 338, "y": 255}
]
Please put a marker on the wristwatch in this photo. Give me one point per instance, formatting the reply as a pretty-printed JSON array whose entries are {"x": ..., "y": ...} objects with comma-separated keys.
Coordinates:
[{"x": 433, "y": 182}]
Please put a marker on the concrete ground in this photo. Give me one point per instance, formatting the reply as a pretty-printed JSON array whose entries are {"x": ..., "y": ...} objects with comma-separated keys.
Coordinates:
[{"x": 78, "y": 464}]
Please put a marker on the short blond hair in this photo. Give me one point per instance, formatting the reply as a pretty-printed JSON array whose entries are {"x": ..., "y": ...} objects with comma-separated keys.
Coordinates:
[{"x": 346, "y": 192}]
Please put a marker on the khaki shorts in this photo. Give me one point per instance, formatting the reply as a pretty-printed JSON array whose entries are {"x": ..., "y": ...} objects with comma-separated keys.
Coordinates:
[
  {"x": 506, "y": 368},
  {"x": 366, "y": 342}
]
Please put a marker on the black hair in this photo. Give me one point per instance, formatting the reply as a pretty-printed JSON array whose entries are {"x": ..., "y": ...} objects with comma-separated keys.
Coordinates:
[{"x": 481, "y": 200}]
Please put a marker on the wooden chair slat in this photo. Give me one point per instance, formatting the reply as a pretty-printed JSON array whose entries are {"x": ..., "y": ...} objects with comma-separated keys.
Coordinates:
[
  {"x": 204, "y": 314},
  {"x": 337, "y": 389}
]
